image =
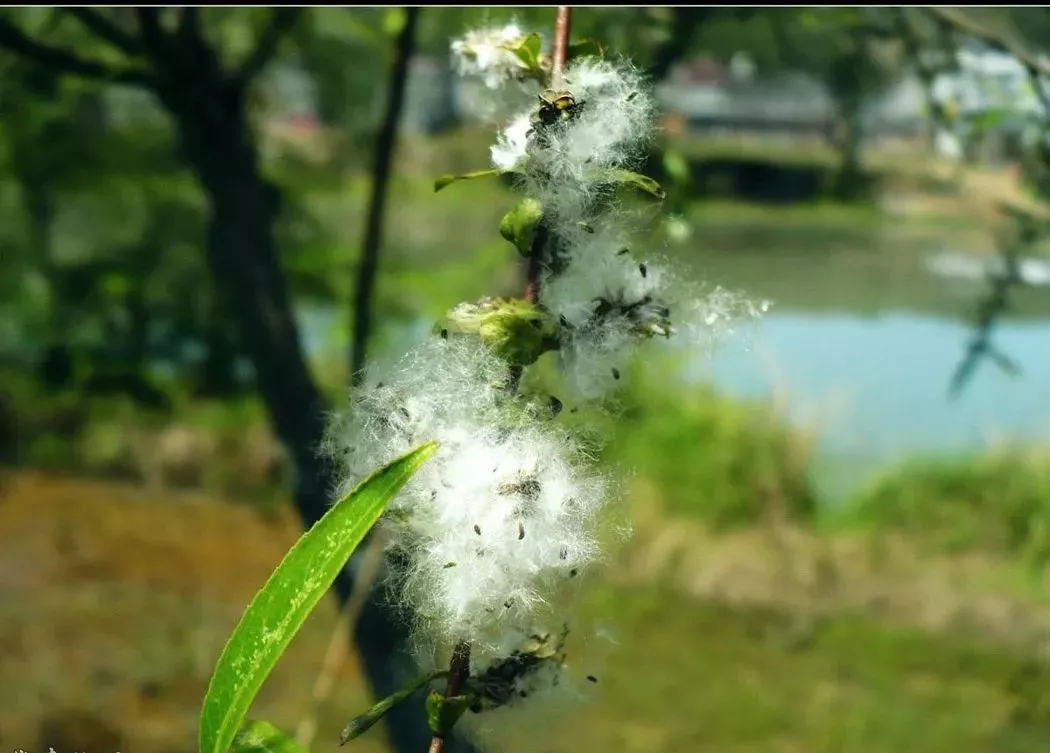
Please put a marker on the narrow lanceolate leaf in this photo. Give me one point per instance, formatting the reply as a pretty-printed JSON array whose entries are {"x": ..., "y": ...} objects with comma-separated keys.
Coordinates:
[
  {"x": 585, "y": 48},
  {"x": 527, "y": 50},
  {"x": 364, "y": 722},
  {"x": 263, "y": 737},
  {"x": 293, "y": 590},
  {"x": 637, "y": 181},
  {"x": 447, "y": 180}
]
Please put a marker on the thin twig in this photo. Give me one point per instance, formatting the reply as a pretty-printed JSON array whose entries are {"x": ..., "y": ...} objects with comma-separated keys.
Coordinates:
[
  {"x": 562, "y": 29},
  {"x": 458, "y": 672},
  {"x": 999, "y": 40},
  {"x": 106, "y": 30},
  {"x": 281, "y": 22},
  {"x": 382, "y": 165},
  {"x": 63, "y": 61},
  {"x": 459, "y": 667},
  {"x": 338, "y": 646}
]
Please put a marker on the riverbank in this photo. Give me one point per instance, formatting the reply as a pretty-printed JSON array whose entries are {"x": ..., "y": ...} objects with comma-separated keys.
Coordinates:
[
  {"x": 769, "y": 638},
  {"x": 723, "y": 461}
]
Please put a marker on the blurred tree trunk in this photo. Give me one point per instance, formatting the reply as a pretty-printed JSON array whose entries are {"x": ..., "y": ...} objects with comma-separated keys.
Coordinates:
[
  {"x": 209, "y": 107},
  {"x": 211, "y": 114}
]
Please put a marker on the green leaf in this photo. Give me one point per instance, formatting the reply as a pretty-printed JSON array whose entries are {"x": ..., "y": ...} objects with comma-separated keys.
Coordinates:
[
  {"x": 361, "y": 724},
  {"x": 519, "y": 225},
  {"x": 584, "y": 48},
  {"x": 636, "y": 181},
  {"x": 989, "y": 120},
  {"x": 394, "y": 20},
  {"x": 443, "y": 713},
  {"x": 517, "y": 330},
  {"x": 283, "y": 604},
  {"x": 263, "y": 737},
  {"x": 446, "y": 180},
  {"x": 676, "y": 166},
  {"x": 527, "y": 50}
]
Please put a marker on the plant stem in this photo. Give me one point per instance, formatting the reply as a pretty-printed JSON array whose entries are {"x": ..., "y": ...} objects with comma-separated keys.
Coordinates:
[
  {"x": 459, "y": 666},
  {"x": 458, "y": 672},
  {"x": 562, "y": 29}
]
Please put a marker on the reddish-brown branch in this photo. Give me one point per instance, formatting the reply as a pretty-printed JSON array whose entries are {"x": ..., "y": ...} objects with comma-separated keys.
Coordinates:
[
  {"x": 458, "y": 672},
  {"x": 459, "y": 667},
  {"x": 562, "y": 29}
]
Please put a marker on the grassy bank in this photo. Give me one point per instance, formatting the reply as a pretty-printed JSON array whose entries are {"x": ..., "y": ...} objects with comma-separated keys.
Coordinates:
[
  {"x": 701, "y": 456},
  {"x": 110, "y": 636}
]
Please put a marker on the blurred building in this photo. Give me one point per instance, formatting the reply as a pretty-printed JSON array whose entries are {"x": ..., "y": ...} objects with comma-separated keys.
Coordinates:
[{"x": 711, "y": 98}]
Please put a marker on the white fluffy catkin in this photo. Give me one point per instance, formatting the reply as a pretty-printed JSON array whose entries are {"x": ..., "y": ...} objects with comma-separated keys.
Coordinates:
[
  {"x": 606, "y": 297},
  {"x": 492, "y": 531},
  {"x": 503, "y": 516},
  {"x": 483, "y": 54}
]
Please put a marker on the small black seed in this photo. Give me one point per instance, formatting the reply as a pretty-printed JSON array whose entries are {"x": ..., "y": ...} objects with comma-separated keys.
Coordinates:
[
  {"x": 523, "y": 693},
  {"x": 444, "y": 334},
  {"x": 477, "y": 529},
  {"x": 508, "y": 603},
  {"x": 592, "y": 678},
  {"x": 623, "y": 251},
  {"x": 573, "y": 410},
  {"x": 449, "y": 564},
  {"x": 556, "y": 405},
  {"x": 573, "y": 573},
  {"x": 643, "y": 269},
  {"x": 615, "y": 373},
  {"x": 521, "y": 531},
  {"x": 564, "y": 553}
]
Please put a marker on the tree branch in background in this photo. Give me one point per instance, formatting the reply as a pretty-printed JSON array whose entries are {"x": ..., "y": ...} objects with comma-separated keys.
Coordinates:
[
  {"x": 685, "y": 21},
  {"x": 281, "y": 22},
  {"x": 154, "y": 42},
  {"x": 63, "y": 61},
  {"x": 383, "y": 158},
  {"x": 189, "y": 28},
  {"x": 992, "y": 307},
  {"x": 958, "y": 19},
  {"x": 1001, "y": 284},
  {"x": 106, "y": 30}
]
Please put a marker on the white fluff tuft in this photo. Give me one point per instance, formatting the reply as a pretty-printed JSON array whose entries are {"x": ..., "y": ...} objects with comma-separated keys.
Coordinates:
[
  {"x": 483, "y": 54},
  {"x": 511, "y": 147},
  {"x": 500, "y": 518}
]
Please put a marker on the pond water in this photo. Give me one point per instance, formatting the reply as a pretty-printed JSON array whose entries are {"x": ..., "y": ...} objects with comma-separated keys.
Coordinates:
[
  {"x": 875, "y": 387},
  {"x": 862, "y": 341},
  {"x": 861, "y": 345}
]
